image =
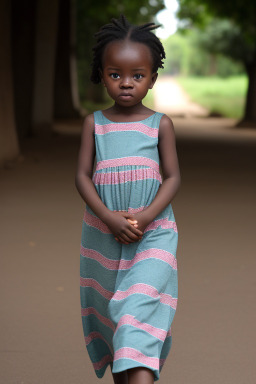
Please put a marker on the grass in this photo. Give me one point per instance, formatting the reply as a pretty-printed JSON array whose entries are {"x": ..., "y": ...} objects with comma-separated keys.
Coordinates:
[{"x": 225, "y": 96}]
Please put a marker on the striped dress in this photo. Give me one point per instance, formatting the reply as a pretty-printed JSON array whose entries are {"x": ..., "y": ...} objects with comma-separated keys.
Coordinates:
[{"x": 128, "y": 292}]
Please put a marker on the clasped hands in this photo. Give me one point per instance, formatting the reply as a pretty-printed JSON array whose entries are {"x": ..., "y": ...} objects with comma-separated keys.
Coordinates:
[{"x": 126, "y": 227}]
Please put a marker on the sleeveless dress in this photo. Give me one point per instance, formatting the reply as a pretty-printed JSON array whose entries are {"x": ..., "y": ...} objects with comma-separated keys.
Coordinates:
[{"x": 128, "y": 292}]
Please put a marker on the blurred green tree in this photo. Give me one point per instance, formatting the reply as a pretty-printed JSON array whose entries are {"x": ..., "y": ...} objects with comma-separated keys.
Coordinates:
[
  {"x": 190, "y": 54},
  {"x": 229, "y": 28}
]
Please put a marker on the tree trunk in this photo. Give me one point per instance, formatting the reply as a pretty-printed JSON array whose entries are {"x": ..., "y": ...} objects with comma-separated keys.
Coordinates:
[
  {"x": 45, "y": 52},
  {"x": 249, "y": 119},
  {"x": 66, "y": 99},
  {"x": 23, "y": 32},
  {"x": 9, "y": 147}
]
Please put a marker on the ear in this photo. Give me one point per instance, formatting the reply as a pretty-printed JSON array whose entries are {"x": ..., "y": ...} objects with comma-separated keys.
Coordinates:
[{"x": 153, "y": 79}]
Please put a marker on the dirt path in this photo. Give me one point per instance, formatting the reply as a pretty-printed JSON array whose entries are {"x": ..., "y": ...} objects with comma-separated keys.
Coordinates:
[
  {"x": 171, "y": 98},
  {"x": 41, "y": 212}
]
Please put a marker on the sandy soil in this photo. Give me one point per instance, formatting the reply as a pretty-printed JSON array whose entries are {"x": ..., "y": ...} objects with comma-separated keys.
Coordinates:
[{"x": 41, "y": 221}]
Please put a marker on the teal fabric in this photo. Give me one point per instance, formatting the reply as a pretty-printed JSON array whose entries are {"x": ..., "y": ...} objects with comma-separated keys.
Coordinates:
[{"x": 128, "y": 291}]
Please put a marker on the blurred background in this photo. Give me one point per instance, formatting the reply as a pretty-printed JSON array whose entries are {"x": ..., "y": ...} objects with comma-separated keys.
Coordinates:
[{"x": 208, "y": 88}]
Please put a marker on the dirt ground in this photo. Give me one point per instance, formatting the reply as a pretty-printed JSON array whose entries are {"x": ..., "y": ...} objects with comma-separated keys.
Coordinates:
[
  {"x": 41, "y": 220},
  {"x": 172, "y": 99}
]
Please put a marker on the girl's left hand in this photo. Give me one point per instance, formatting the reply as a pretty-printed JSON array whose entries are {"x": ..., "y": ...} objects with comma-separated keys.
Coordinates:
[{"x": 142, "y": 221}]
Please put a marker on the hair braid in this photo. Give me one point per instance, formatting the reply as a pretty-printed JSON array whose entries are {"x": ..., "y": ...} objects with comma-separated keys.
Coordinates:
[{"x": 121, "y": 29}]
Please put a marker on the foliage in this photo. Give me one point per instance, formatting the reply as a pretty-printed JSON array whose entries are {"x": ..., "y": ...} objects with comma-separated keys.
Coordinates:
[
  {"x": 229, "y": 27},
  {"x": 235, "y": 37},
  {"x": 188, "y": 55},
  {"x": 223, "y": 36},
  {"x": 223, "y": 96},
  {"x": 178, "y": 54}
]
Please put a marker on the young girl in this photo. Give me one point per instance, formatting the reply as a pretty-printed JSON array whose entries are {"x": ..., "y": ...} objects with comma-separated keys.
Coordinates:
[{"x": 128, "y": 263}]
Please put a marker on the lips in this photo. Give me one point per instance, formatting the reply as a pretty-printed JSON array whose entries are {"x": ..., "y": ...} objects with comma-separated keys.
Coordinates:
[{"x": 125, "y": 96}]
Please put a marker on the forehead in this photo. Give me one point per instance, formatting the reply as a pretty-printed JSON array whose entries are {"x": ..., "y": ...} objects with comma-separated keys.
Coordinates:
[{"x": 128, "y": 53}]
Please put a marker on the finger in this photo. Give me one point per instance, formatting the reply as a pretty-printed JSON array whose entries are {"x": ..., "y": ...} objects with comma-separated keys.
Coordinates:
[
  {"x": 132, "y": 221},
  {"x": 129, "y": 216},
  {"x": 133, "y": 236},
  {"x": 137, "y": 232},
  {"x": 134, "y": 230},
  {"x": 130, "y": 240},
  {"x": 129, "y": 237},
  {"x": 126, "y": 237},
  {"x": 123, "y": 241}
]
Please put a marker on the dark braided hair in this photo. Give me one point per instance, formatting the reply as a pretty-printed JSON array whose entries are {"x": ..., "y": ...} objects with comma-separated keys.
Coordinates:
[{"x": 121, "y": 29}]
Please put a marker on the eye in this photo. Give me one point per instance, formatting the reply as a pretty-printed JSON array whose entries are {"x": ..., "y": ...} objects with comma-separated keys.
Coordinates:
[
  {"x": 138, "y": 76},
  {"x": 114, "y": 75}
]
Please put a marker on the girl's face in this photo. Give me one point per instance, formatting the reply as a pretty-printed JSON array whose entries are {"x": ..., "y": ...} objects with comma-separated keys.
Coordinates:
[{"x": 127, "y": 72}]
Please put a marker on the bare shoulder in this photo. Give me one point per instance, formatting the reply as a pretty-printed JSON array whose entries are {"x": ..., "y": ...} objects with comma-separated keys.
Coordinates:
[
  {"x": 166, "y": 126},
  {"x": 88, "y": 123}
]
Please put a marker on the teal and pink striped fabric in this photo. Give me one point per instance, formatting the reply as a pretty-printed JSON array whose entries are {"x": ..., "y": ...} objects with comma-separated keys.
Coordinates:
[{"x": 128, "y": 291}]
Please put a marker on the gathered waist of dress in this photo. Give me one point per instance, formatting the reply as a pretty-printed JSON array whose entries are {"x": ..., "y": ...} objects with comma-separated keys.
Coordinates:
[
  {"x": 122, "y": 161},
  {"x": 123, "y": 174}
]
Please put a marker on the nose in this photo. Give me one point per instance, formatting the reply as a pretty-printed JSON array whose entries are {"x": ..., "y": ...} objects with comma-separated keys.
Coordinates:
[{"x": 126, "y": 83}]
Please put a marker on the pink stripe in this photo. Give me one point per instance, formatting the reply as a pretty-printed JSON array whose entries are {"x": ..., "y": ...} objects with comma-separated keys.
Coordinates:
[
  {"x": 104, "y": 261},
  {"x": 124, "y": 176},
  {"x": 97, "y": 335},
  {"x": 92, "y": 311},
  {"x": 122, "y": 264},
  {"x": 169, "y": 300},
  {"x": 169, "y": 333},
  {"x": 138, "y": 127},
  {"x": 130, "y": 320},
  {"x": 135, "y": 354},
  {"x": 135, "y": 210},
  {"x": 132, "y": 160},
  {"x": 92, "y": 283},
  {"x": 146, "y": 289},
  {"x": 165, "y": 224},
  {"x": 95, "y": 222},
  {"x": 155, "y": 253},
  {"x": 99, "y": 364}
]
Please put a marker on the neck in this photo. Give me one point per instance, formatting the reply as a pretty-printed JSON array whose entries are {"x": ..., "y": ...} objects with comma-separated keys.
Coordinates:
[{"x": 128, "y": 110}]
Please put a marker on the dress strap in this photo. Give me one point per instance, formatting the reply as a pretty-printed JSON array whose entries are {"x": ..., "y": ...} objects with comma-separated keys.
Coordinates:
[
  {"x": 157, "y": 119},
  {"x": 97, "y": 117}
]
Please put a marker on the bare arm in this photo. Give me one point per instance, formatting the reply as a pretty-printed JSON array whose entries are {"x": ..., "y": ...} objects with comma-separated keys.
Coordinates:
[
  {"x": 83, "y": 179},
  {"x": 170, "y": 168}
]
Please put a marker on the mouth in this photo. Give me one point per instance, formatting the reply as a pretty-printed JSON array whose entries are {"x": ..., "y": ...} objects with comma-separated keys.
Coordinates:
[{"x": 125, "y": 96}]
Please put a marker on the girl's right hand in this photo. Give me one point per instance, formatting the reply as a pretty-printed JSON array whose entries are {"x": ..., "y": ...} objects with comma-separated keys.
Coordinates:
[{"x": 121, "y": 228}]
